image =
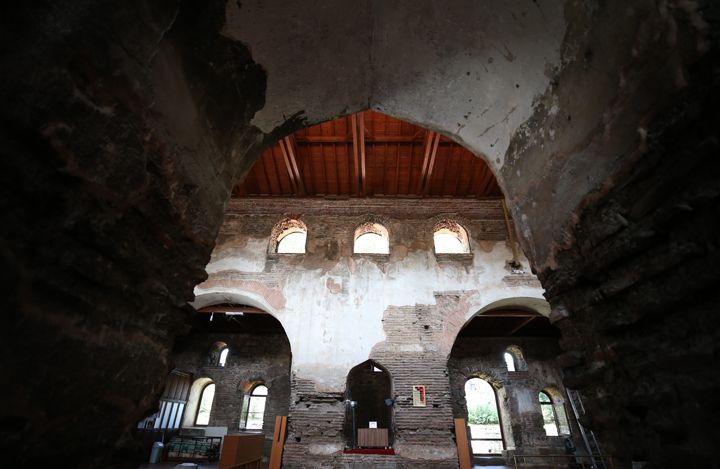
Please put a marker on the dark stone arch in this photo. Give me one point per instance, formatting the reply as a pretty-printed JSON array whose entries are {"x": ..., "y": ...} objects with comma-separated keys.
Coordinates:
[{"x": 121, "y": 149}]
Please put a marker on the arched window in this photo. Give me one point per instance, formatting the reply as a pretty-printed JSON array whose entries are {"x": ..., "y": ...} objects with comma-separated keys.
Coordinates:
[
  {"x": 371, "y": 238},
  {"x": 217, "y": 356},
  {"x": 514, "y": 358},
  {"x": 288, "y": 237},
  {"x": 206, "y": 402},
  {"x": 292, "y": 243},
  {"x": 553, "y": 412},
  {"x": 483, "y": 418},
  {"x": 450, "y": 238},
  {"x": 254, "y": 408},
  {"x": 223, "y": 356},
  {"x": 509, "y": 361}
]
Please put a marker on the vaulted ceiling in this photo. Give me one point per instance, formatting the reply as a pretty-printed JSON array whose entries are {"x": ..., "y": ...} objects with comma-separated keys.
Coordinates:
[{"x": 368, "y": 154}]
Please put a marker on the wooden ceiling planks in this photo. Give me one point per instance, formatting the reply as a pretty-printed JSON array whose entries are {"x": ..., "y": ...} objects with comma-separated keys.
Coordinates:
[{"x": 368, "y": 154}]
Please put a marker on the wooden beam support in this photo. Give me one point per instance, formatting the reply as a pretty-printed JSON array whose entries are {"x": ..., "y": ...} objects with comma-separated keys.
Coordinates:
[
  {"x": 288, "y": 166},
  {"x": 231, "y": 309},
  {"x": 426, "y": 158},
  {"x": 521, "y": 325},
  {"x": 510, "y": 233},
  {"x": 361, "y": 138},
  {"x": 315, "y": 139},
  {"x": 356, "y": 152},
  {"x": 278, "y": 442},
  {"x": 463, "y": 445},
  {"x": 430, "y": 153},
  {"x": 289, "y": 144}
]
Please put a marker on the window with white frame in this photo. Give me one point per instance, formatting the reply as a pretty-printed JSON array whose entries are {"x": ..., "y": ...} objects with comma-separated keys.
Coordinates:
[
  {"x": 254, "y": 408},
  {"x": 205, "y": 406}
]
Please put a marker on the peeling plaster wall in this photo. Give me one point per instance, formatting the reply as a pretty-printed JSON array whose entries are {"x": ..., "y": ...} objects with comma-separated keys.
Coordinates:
[
  {"x": 403, "y": 309},
  {"x": 331, "y": 302}
]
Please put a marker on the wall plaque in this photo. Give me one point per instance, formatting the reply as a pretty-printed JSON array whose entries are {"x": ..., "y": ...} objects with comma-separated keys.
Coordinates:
[{"x": 418, "y": 395}]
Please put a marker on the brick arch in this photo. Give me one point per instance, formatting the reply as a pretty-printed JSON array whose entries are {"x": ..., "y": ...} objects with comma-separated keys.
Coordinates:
[
  {"x": 372, "y": 226},
  {"x": 286, "y": 226},
  {"x": 451, "y": 225},
  {"x": 238, "y": 297}
]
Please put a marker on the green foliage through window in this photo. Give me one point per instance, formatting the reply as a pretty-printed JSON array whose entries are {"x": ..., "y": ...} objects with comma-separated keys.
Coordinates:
[{"x": 483, "y": 414}]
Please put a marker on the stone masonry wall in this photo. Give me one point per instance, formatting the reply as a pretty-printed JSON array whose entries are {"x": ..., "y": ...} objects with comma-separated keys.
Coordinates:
[
  {"x": 253, "y": 358},
  {"x": 636, "y": 295},
  {"x": 518, "y": 403}
]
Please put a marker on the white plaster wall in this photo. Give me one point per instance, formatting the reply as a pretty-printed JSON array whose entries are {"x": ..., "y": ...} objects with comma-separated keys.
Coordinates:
[
  {"x": 330, "y": 332},
  {"x": 249, "y": 258}
]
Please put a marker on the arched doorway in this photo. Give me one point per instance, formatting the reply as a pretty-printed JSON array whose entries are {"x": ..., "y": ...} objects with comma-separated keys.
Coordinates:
[
  {"x": 369, "y": 406},
  {"x": 500, "y": 360},
  {"x": 244, "y": 356}
]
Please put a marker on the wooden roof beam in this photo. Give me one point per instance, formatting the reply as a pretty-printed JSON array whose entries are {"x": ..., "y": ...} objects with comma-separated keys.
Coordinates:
[
  {"x": 288, "y": 166},
  {"x": 521, "y": 325},
  {"x": 430, "y": 154},
  {"x": 310, "y": 139},
  {"x": 361, "y": 139},
  {"x": 356, "y": 152},
  {"x": 289, "y": 143},
  {"x": 426, "y": 159}
]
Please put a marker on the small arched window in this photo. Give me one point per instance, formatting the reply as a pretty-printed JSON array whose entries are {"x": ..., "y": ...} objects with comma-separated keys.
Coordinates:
[
  {"x": 254, "y": 408},
  {"x": 371, "y": 238},
  {"x": 288, "y": 237},
  {"x": 292, "y": 243},
  {"x": 450, "y": 238},
  {"x": 509, "y": 361},
  {"x": 223, "y": 356},
  {"x": 514, "y": 359},
  {"x": 217, "y": 356},
  {"x": 206, "y": 402},
  {"x": 553, "y": 412}
]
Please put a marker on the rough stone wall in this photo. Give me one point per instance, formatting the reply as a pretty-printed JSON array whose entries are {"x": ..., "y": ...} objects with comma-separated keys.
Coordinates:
[
  {"x": 518, "y": 403},
  {"x": 112, "y": 191},
  {"x": 253, "y": 358},
  {"x": 636, "y": 295}
]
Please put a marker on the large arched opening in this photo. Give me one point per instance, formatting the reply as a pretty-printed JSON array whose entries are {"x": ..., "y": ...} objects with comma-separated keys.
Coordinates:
[
  {"x": 367, "y": 173},
  {"x": 131, "y": 135},
  {"x": 513, "y": 349},
  {"x": 240, "y": 358}
]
